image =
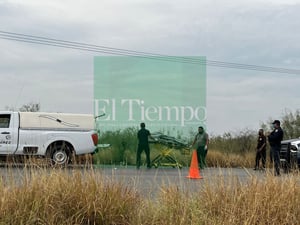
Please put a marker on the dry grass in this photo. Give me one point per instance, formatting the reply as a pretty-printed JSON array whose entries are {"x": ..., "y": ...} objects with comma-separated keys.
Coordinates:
[
  {"x": 215, "y": 158},
  {"x": 65, "y": 197},
  {"x": 259, "y": 202},
  {"x": 219, "y": 159},
  {"x": 76, "y": 197},
  {"x": 271, "y": 201}
]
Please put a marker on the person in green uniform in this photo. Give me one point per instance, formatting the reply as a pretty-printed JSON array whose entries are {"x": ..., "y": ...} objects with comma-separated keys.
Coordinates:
[{"x": 201, "y": 143}]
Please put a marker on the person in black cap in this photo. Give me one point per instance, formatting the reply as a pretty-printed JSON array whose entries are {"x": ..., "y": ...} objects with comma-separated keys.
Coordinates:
[
  {"x": 275, "y": 138},
  {"x": 143, "y": 145}
]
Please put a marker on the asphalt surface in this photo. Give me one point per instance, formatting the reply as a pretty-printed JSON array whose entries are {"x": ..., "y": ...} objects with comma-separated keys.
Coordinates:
[{"x": 151, "y": 182}]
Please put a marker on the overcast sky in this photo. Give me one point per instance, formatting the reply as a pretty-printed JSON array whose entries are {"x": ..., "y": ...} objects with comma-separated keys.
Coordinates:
[{"x": 258, "y": 32}]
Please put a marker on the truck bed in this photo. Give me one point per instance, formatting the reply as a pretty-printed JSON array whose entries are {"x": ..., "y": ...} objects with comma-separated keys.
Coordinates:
[{"x": 40, "y": 120}]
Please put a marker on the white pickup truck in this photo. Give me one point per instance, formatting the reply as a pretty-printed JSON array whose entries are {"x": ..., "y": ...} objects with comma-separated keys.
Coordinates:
[{"x": 55, "y": 136}]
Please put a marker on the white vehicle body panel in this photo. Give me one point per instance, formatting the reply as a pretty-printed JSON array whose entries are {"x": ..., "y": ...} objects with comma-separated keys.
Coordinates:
[
  {"x": 56, "y": 121},
  {"x": 33, "y": 132}
]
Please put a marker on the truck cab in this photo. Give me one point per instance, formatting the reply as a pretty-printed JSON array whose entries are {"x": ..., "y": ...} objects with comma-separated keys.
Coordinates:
[{"x": 8, "y": 132}]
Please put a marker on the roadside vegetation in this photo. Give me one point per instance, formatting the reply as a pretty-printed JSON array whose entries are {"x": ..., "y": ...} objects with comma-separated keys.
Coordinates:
[
  {"x": 71, "y": 197},
  {"x": 232, "y": 149}
]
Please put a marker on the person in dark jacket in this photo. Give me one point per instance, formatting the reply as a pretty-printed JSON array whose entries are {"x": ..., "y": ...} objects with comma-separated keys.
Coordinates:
[
  {"x": 260, "y": 150},
  {"x": 143, "y": 145},
  {"x": 275, "y": 138}
]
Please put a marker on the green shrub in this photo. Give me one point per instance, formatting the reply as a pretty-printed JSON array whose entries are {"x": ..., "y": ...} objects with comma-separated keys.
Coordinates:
[{"x": 123, "y": 145}]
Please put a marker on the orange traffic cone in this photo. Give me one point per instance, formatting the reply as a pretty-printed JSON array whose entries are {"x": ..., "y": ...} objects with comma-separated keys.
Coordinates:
[{"x": 194, "y": 171}]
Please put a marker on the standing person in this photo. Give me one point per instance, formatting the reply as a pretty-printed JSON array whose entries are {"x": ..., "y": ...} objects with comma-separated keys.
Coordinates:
[
  {"x": 201, "y": 140},
  {"x": 260, "y": 150},
  {"x": 143, "y": 145},
  {"x": 275, "y": 138}
]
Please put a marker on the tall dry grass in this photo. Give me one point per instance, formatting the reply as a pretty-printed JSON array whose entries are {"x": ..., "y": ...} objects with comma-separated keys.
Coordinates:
[
  {"x": 65, "y": 197},
  {"x": 220, "y": 159},
  {"x": 214, "y": 158},
  {"x": 75, "y": 197},
  {"x": 270, "y": 201}
]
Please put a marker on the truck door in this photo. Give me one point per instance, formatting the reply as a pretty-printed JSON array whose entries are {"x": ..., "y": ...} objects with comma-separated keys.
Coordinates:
[{"x": 8, "y": 140}]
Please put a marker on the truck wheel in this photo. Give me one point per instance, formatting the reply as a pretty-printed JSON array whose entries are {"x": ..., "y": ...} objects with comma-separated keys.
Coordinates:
[{"x": 60, "y": 154}]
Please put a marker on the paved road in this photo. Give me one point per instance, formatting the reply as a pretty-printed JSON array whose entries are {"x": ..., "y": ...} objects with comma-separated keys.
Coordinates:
[{"x": 152, "y": 181}]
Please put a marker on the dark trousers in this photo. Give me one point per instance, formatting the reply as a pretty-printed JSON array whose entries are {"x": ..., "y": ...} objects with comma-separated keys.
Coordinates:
[
  {"x": 140, "y": 149},
  {"x": 271, "y": 156},
  {"x": 201, "y": 154},
  {"x": 275, "y": 151},
  {"x": 260, "y": 155}
]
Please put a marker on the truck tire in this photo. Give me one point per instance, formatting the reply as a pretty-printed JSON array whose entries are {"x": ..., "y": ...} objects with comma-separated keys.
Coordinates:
[{"x": 60, "y": 154}]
